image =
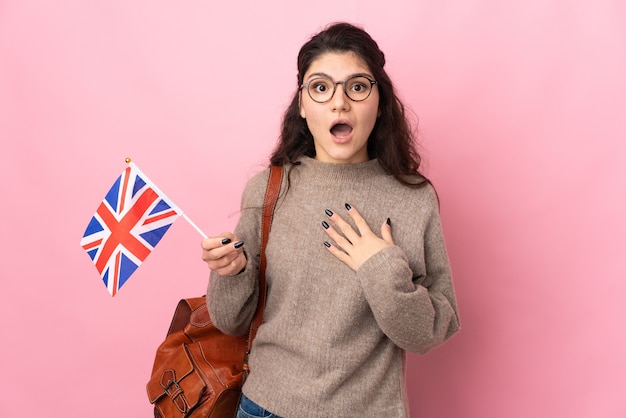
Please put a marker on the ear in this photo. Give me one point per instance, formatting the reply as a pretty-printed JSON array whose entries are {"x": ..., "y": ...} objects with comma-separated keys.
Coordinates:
[{"x": 302, "y": 112}]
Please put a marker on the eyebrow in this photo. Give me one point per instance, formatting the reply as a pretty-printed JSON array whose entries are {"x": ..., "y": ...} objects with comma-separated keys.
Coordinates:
[{"x": 349, "y": 77}]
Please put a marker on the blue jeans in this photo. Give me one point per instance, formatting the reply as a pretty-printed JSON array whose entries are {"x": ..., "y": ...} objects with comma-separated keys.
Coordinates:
[{"x": 248, "y": 409}]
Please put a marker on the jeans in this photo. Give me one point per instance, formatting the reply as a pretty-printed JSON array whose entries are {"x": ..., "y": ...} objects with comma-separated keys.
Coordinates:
[{"x": 248, "y": 409}]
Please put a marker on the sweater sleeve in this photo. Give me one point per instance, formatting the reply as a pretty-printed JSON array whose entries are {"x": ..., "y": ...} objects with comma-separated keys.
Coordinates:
[
  {"x": 232, "y": 300},
  {"x": 416, "y": 311}
]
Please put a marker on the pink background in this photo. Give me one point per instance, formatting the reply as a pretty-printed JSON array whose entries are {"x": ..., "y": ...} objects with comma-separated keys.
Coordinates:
[{"x": 521, "y": 108}]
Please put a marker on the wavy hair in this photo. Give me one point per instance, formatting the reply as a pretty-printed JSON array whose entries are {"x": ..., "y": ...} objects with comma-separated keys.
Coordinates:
[{"x": 391, "y": 141}]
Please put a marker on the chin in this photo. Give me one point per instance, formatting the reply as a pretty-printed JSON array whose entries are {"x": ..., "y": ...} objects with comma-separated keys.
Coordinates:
[{"x": 341, "y": 153}]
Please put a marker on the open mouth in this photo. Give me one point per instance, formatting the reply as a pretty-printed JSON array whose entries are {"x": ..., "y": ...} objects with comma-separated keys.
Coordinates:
[{"x": 341, "y": 130}]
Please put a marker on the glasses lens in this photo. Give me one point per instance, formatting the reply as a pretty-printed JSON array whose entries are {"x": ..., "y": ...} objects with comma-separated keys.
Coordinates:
[
  {"x": 321, "y": 89},
  {"x": 358, "y": 88}
]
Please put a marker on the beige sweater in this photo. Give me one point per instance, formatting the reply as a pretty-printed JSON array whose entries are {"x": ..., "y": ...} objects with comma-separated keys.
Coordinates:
[{"x": 333, "y": 340}]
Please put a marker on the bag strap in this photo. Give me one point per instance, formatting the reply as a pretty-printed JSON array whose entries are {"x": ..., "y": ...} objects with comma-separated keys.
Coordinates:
[{"x": 271, "y": 196}]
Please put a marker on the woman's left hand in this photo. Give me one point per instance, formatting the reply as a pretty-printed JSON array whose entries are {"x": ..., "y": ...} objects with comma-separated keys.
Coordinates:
[{"x": 355, "y": 247}]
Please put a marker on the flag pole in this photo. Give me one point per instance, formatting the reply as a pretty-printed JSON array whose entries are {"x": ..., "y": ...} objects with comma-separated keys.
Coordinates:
[
  {"x": 175, "y": 207},
  {"x": 193, "y": 225}
]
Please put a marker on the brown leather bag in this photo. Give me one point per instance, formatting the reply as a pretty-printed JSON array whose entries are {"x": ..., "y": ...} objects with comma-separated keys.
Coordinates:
[{"x": 198, "y": 371}]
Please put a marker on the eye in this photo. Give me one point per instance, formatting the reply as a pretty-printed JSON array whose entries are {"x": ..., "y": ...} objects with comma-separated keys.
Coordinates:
[
  {"x": 319, "y": 86},
  {"x": 358, "y": 87}
]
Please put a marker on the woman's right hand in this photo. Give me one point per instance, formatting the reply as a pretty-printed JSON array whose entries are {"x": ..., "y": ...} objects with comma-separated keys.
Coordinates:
[{"x": 224, "y": 254}]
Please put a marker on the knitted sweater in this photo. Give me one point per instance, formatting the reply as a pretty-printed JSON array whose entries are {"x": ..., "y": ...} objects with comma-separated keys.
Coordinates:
[{"x": 333, "y": 340}]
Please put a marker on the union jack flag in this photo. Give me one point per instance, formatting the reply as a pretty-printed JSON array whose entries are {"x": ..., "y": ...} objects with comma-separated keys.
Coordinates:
[{"x": 127, "y": 226}]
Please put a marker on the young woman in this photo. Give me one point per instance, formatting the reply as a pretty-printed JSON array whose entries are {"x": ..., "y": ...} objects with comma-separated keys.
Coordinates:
[{"x": 357, "y": 270}]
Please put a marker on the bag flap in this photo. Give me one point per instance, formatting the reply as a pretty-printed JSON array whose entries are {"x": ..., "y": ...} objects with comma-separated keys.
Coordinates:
[{"x": 177, "y": 375}]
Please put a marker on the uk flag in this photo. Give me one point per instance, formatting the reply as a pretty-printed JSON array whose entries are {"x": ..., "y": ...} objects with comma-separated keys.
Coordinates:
[{"x": 127, "y": 226}]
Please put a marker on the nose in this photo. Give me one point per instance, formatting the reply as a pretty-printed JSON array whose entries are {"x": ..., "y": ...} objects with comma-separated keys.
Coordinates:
[{"x": 340, "y": 99}]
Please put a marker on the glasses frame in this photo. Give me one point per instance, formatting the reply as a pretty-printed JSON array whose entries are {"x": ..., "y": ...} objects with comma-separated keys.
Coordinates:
[{"x": 345, "y": 91}]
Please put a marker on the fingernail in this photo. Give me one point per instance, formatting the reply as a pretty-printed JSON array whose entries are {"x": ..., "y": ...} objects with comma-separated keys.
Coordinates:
[
  {"x": 348, "y": 207},
  {"x": 325, "y": 224},
  {"x": 388, "y": 221},
  {"x": 328, "y": 212},
  {"x": 238, "y": 245},
  {"x": 226, "y": 241},
  {"x": 326, "y": 244}
]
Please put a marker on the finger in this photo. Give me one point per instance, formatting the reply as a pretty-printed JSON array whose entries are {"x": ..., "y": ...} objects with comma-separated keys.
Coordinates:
[
  {"x": 385, "y": 232},
  {"x": 211, "y": 243},
  {"x": 339, "y": 239},
  {"x": 230, "y": 269},
  {"x": 337, "y": 252},
  {"x": 359, "y": 221},
  {"x": 222, "y": 262},
  {"x": 214, "y": 248},
  {"x": 230, "y": 264},
  {"x": 217, "y": 241},
  {"x": 232, "y": 257},
  {"x": 343, "y": 226},
  {"x": 229, "y": 252}
]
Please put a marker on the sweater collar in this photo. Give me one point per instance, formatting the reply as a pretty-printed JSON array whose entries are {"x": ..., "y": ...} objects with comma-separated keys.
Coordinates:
[{"x": 320, "y": 170}]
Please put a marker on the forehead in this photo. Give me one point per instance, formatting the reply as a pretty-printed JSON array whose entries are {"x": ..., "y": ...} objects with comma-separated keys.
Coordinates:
[{"x": 337, "y": 65}]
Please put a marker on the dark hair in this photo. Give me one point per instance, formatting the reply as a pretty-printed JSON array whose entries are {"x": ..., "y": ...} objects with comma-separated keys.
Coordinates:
[{"x": 391, "y": 140}]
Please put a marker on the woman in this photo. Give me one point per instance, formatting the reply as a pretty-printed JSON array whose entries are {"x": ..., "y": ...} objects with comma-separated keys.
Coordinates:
[{"x": 343, "y": 302}]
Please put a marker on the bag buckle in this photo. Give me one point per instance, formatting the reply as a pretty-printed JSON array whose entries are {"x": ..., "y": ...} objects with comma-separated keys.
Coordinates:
[
  {"x": 177, "y": 390},
  {"x": 173, "y": 391}
]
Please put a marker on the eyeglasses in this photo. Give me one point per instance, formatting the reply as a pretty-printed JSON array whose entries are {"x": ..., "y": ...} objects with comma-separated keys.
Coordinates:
[{"x": 322, "y": 88}]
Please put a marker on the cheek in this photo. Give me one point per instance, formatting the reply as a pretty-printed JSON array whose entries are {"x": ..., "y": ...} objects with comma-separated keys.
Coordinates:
[
  {"x": 372, "y": 116},
  {"x": 311, "y": 114}
]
